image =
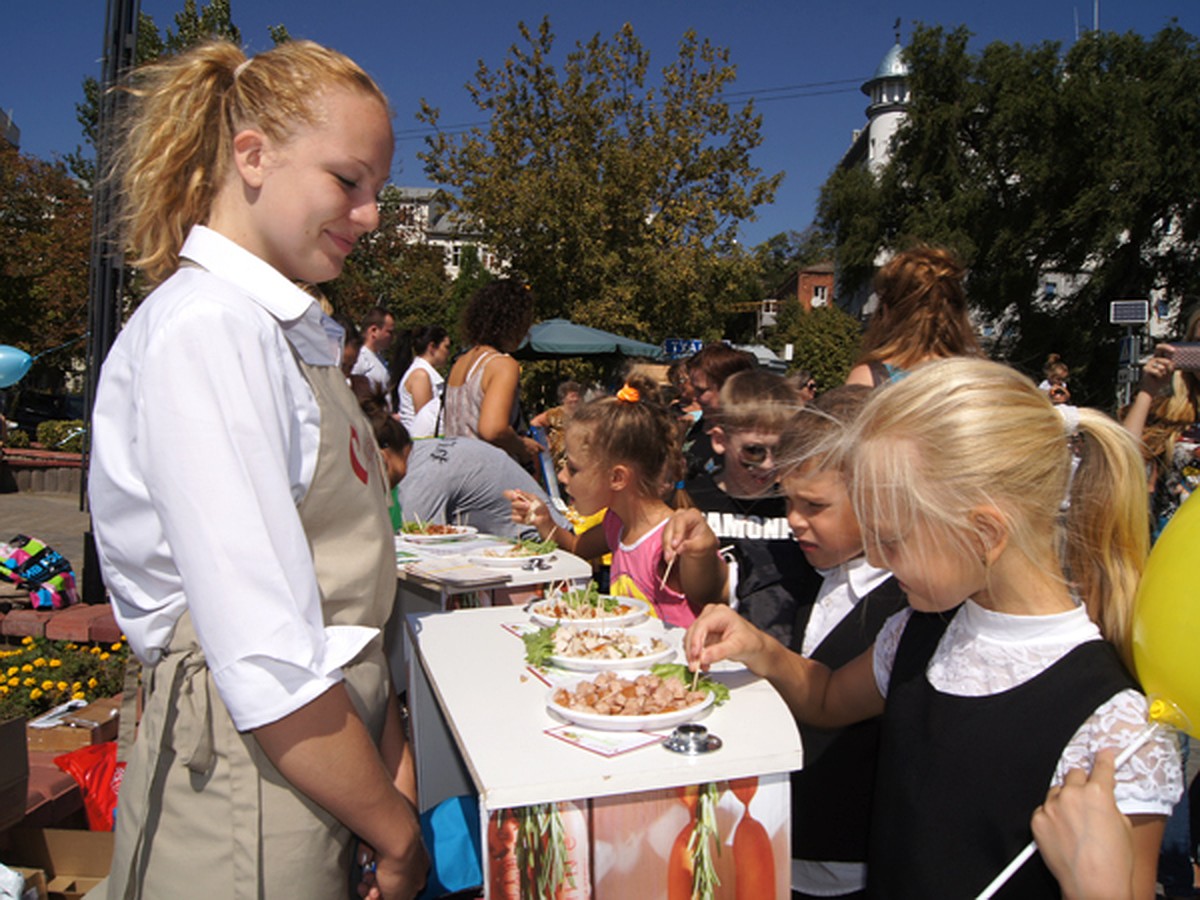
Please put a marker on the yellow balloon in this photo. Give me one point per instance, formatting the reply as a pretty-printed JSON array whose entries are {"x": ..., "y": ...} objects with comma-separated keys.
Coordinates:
[{"x": 1166, "y": 620}]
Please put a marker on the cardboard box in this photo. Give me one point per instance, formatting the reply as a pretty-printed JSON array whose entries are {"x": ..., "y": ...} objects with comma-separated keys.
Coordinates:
[
  {"x": 74, "y": 861},
  {"x": 35, "y": 882},
  {"x": 14, "y": 772},
  {"x": 94, "y": 724}
]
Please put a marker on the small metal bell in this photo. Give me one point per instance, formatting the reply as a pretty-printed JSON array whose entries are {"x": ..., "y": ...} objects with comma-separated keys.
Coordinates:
[{"x": 692, "y": 740}]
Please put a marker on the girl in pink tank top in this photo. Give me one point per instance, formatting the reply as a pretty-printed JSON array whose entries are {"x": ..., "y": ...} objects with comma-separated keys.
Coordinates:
[{"x": 621, "y": 453}]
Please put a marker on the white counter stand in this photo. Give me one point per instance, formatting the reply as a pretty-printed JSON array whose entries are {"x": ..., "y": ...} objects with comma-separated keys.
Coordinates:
[{"x": 479, "y": 718}]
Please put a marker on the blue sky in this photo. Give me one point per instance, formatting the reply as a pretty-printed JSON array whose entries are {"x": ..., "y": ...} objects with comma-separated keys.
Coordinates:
[{"x": 430, "y": 50}]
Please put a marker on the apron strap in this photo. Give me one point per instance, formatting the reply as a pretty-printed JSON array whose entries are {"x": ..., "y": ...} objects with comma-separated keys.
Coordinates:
[
  {"x": 131, "y": 691},
  {"x": 156, "y": 729}
]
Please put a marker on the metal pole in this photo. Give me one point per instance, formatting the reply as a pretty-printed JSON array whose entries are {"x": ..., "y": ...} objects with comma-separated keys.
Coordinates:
[{"x": 107, "y": 273}]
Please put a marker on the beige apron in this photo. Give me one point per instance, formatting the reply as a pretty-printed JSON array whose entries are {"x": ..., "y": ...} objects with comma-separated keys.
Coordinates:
[{"x": 203, "y": 813}]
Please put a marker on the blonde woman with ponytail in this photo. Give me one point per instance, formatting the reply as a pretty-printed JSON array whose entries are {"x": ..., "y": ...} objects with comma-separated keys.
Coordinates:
[
  {"x": 1018, "y": 534},
  {"x": 239, "y": 509}
]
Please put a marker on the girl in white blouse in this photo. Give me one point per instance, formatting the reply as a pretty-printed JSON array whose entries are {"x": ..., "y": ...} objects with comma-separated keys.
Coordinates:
[{"x": 1007, "y": 670}]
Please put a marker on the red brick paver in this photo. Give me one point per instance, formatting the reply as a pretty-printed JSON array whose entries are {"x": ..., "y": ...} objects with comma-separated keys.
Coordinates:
[
  {"x": 75, "y": 623},
  {"x": 21, "y": 623}
]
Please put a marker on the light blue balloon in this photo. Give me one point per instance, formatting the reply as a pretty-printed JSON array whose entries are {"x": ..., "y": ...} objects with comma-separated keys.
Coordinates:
[{"x": 14, "y": 364}]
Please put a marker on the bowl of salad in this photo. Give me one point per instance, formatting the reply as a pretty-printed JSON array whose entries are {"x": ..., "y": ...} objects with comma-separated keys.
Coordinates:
[
  {"x": 516, "y": 554},
  {"x": 434, "y": 533},
  {"x": 587, "y": 605}
]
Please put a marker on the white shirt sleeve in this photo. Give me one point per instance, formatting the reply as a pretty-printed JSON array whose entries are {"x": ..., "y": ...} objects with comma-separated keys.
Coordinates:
[
  {"x": 1151, "y": 782},
  {"x": 887, "y": 641},
  {"x": 221, "y": 443}
]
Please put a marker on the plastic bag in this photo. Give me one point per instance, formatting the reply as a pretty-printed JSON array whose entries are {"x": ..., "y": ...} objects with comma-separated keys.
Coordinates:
[
  {"x": 39, "y": 569},
  {"x": 451, "y": 834},
  {"x": 98, "y": 774}
]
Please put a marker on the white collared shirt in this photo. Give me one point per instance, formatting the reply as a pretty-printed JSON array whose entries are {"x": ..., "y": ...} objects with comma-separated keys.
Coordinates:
[
  {"x": 842, "y": 588},
  {"x": 372, "y": 367},
  {"x": 205, "y": 439}
]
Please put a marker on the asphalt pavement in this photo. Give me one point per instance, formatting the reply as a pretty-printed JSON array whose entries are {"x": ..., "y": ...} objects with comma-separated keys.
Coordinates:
[{"x": 55, "y": 519}]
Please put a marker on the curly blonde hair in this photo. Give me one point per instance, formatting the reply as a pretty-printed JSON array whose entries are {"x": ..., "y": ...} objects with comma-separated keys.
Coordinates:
[
  {"x": 960, "y": 433},
  {"x": 180, "y": 125}
]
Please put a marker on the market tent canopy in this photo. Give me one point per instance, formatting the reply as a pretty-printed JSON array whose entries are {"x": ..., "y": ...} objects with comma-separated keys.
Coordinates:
[{"x": 557, "y": 338}]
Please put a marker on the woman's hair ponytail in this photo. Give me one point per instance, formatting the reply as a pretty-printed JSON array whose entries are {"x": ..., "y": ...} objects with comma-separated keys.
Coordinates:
[
  {"x": 176, "y": 151},
  {"x": 180, "y": 124}
]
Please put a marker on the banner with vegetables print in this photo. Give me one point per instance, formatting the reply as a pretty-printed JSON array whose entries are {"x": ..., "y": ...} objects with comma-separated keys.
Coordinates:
[{"x": 728, "y": 840}]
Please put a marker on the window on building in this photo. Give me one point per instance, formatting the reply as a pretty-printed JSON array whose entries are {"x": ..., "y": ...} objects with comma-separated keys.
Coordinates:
[
  {"x": 820, "y": 295},
  {"x": 770, "y": 307}
]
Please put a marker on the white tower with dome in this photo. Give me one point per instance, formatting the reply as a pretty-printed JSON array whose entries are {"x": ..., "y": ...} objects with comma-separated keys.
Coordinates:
[{"x": 888, "y": 90}]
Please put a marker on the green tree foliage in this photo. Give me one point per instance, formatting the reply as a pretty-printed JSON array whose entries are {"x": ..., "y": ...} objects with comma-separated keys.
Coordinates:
[
  {"x": 1028, "y": 161},
  {"x": 45, "y": 235},
  {"x": 408, "y": 279},
  {"x": 825, "y": 341},
  {"x": 192, "y": 25},
  {"x": 617, "y": 199}
]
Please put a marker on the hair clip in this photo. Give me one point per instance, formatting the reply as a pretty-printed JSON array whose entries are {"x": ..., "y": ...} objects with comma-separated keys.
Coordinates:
[{"x": 629, "y": 394}]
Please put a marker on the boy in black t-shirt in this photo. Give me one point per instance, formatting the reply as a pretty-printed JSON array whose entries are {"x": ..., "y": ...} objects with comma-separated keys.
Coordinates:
[{"x": 743, "y": 506}]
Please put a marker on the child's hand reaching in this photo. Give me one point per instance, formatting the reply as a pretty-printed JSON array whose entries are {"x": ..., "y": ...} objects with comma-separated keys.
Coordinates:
[
  {"x": 721, "y": 633},
  {"x": 687, "y": 534},
  {"x": 701, "y": 575},
  {"x": 1085, "y": 840},
  {"x": 529, "y": 510}
]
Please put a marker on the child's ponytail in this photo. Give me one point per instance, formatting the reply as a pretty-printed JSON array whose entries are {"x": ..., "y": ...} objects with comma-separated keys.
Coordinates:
[
  {"x": 1107, "y": 525},
  {"x": 634, "y": 428}
]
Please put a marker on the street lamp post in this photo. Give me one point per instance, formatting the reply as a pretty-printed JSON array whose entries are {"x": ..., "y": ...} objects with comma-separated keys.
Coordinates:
[{"x": 107, "y": 273}]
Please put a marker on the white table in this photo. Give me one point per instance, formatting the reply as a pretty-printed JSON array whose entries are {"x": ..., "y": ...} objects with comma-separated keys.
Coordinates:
[
  {"x": 479, "y": 719},
  {"x": 457, "y": 584}
]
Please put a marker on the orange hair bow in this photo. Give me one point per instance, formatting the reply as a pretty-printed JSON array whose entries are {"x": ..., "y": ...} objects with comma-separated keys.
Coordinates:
[{"x": 629, "y": 394}]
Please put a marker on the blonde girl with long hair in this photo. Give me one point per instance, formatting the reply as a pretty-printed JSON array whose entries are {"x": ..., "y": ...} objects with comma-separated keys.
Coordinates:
[
  {"x": 1009, "y": 668},
  {"x": 239, "y": 509},
  {"x": 921, "y": 316}
]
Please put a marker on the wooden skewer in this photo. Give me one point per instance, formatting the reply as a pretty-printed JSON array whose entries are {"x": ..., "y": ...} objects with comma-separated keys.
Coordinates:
[{"x": 667, "y": 572}]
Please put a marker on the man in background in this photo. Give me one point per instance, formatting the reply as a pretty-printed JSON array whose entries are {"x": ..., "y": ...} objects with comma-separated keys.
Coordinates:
[{"x": 377, "y": 329}]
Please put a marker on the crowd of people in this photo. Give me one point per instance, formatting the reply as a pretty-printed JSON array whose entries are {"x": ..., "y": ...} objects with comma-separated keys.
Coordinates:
[{"x": 934, "y": 564}]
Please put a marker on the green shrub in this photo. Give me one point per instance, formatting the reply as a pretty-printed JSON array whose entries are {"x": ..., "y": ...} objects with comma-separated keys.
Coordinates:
[
  {"x": 16, "y": 439},
  {"x": 61, "y": 434}
]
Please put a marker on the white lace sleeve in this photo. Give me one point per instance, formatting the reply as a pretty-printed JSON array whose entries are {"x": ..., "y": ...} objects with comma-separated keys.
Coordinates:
[
  {"x": 1151, "y": 782},
  {"x": 886, "y": 643}
]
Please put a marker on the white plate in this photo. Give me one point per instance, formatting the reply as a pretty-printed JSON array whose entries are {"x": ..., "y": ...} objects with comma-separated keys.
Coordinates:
[
  {"x": 460, "y": 532},
  {"x": 599, "y": 722},
  {"x": 587, "y": 664},
  {"x": 507, "y": 562},
  {"x": 639, "y": 611}
]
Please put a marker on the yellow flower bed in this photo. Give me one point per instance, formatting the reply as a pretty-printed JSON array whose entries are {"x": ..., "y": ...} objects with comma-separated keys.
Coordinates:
[{"x": 80, "y": 672}]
